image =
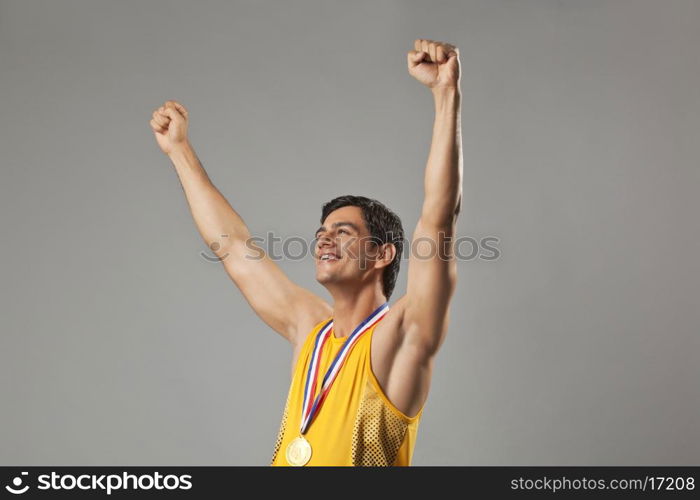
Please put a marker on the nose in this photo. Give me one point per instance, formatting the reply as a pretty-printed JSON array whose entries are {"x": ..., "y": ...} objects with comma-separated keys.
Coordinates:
[{"x": 323, "y": 242}]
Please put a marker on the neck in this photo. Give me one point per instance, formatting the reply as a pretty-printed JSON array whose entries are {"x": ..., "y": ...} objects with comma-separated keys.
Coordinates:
[{"x": 349, "y": 309}]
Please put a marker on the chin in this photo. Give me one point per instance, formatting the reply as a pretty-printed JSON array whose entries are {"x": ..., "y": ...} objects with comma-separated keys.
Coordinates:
[
  {"x": 327, "y": 277},
  {"x": 324, "y": 278}
]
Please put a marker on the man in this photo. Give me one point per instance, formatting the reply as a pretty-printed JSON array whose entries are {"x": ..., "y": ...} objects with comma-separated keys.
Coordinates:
[{"x": 361, "y": 370}]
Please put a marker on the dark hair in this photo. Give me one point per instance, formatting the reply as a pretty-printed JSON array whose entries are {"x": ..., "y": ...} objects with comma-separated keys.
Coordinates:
[{"x": 384, "y": 227}]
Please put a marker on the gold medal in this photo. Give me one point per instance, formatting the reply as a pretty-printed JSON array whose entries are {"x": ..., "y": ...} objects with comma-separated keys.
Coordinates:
[{"x": 298, "y": 451}]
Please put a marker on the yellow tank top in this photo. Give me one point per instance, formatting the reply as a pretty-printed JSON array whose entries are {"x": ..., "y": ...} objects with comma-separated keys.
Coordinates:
[{"x": 357, "y": 425}]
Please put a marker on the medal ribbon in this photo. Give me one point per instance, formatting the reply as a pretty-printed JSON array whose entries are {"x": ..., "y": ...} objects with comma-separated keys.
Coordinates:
[{"x": 310, "y": 410}]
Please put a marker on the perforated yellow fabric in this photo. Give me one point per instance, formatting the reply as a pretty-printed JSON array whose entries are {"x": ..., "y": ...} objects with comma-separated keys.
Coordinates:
[
  {"x": 283, "y": 425},
  {"x": 357, "y": 424},
  {"x": 378, "y": 433}
]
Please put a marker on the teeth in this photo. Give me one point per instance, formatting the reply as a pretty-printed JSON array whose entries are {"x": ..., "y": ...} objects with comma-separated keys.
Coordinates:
[{"x": 328, "y": 257}]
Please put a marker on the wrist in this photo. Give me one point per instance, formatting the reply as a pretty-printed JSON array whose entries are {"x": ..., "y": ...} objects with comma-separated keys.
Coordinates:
[
  {"x": 446, "y": 92},
  {"x": 447, "y": 98},
  {"x": 180, "y": 149}
]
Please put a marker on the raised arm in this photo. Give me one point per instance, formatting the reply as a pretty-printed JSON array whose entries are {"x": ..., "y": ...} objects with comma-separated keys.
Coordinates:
[
  {"x": 432, "y": 269},
  {"x": 279, "y": 302}
]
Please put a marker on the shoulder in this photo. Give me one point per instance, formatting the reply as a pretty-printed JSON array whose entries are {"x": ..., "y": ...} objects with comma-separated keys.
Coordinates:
[
  {"x": 309, "y": 321},
  {"x": 397, "y": 365},
  {"x": 392, "y": 323},
  {"x": 306, "y": 329},
  {"x": 387, "y": 335}
]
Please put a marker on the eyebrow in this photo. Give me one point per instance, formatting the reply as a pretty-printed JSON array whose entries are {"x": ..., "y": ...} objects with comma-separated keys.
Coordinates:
[{"x": 337, "y": 224}]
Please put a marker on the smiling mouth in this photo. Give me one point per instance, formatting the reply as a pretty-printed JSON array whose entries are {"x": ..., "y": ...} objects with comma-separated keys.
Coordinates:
[{"x": 330, "y": 258}]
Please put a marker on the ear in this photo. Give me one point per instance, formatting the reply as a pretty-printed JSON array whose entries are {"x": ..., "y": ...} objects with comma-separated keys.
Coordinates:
[{"x": 385, "y": 255}]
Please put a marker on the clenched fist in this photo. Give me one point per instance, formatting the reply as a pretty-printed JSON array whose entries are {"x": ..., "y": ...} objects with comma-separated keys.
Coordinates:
[
  {"x": 434, "y": 64},
  {"x": 169, "y": 123}
]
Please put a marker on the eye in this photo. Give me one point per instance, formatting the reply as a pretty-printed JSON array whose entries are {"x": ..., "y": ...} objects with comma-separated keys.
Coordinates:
[{"x": 343, "y": 231}]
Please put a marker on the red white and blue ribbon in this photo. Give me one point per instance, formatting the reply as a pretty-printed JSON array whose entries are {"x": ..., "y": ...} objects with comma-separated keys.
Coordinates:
[{"x": 310, "y": 410}]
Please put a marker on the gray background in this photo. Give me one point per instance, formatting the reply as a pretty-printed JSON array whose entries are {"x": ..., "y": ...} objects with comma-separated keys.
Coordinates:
[{"x": 121, "y": 344}]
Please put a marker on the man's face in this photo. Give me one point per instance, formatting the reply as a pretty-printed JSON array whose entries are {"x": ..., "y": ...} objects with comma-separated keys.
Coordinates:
[{"x": 343, "y": 250}]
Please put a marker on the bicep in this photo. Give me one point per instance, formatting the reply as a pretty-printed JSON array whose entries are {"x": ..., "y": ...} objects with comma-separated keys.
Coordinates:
[
  {"x": 432, "y": 277},
  {"x": 280, "y": 303}
]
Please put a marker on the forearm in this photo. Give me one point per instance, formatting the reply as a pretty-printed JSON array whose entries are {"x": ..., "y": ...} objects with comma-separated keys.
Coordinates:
[
  {"x": 443, "y": 173},
  {"x": 214, "y": 217}
]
